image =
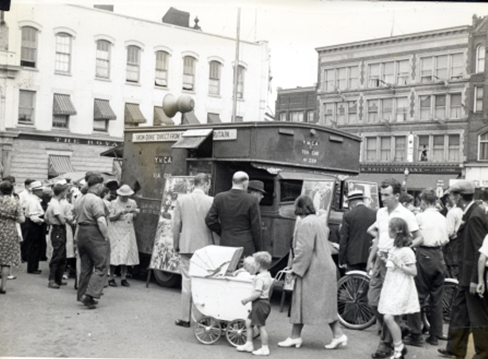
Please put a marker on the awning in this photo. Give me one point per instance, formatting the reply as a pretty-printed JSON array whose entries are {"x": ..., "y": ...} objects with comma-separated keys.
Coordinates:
[
  {"x": 102, "y": 111},
  {"x": 189, "y": 118},
  {"x": 303, "y": 175},
  {"x": 62, "y": 105},
  {"x": 192, "y": 139},
  {"x": 59, "y": 165},
  {"x": 160, "y": 117},
  {"x": 117, "y": 152},
  {"x": 133, "y": 114},
  {"x": 415, "y": 181},
  {"x": 214, "y": 118}
]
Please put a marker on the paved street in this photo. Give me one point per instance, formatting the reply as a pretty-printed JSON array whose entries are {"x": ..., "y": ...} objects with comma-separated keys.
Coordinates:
[{"x": 137, "y": 322}]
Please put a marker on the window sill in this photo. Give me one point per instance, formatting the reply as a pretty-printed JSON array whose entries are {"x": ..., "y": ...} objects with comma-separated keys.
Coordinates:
[
  {"x": 164, "y": 88},
  {"x": 26, "y": 125},
  {"x": 137, "y": 84},
  {"x": 62, "y": 73},
  {"x": 188, "y": 91},
  {"x": 60, "y": 129},
  {"x": 103, "y": 79},
  {"x": 28, "y": 68},
  {"x": 214, "y": 96}
]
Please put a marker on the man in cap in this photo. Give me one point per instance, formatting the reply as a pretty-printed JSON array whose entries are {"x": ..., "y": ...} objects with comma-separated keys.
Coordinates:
[
  {"x": 190, "y": 233},
  {"x": 256, "y": 189},
  {"x": 235, "y": 216},
  {"x": 469, "y": 311},
  {"x": 92, "y": 240},
  {"x": 35, "y": 227},
  {"x": 355, "y": 241},
  {"x": 55, "y": 218}
]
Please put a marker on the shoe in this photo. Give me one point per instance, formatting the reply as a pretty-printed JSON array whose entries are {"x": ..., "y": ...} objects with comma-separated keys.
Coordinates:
[
  {"x": 447, "y": 354},
  {"x": 399, "y": 354},
  {"x": 3, "y": 291},
  {"x": 261, "y": 352},
  {"x": 35, "y": 272},
  {"x": 380, "y": 354},
  {"x": 62, "y": 283},
  {"x": 414, "y": 340},
  {"x": 336, "y": 342},
  {"x": 124, "y": 283},
  {"x": 89, "y": 302},
  {"x": 112, "y": 283},
  {"x": 182, "y": 323},
  {"x": 442, "y": 337},
  {"x": 289, "y": 342},
  {"x": 248, "y": 347},
  {"x": 11, "y": 277},
  {"x": 53, "y": 285},
  {"x": 432, "y": 340}
]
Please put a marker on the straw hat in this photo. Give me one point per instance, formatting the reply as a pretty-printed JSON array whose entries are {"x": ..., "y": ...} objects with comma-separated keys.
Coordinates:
[{"x": 125, "y": 191}]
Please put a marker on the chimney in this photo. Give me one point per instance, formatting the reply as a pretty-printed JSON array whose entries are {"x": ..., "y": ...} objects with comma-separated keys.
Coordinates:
[
  {"x": 177, "y": 17},
  {"x": 104, "y": 7}
]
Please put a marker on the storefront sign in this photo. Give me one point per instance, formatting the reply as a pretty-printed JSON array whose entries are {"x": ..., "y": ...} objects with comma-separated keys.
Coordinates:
[
  {"x": 223, "y": 135},
  {"x": 72, "y": 140},
  {"x": 157, "y": 136},
  {"x": 410, "y": 148},
  {"x": 411, "y": 169},
  {"x": 163, "y": 159}
]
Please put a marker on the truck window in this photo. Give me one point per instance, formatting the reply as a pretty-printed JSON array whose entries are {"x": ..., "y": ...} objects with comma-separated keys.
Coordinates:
[{"x": 290, "y": 190}]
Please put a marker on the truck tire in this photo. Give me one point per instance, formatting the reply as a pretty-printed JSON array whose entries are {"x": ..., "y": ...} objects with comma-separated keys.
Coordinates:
[{"x": 167, "y": 279}]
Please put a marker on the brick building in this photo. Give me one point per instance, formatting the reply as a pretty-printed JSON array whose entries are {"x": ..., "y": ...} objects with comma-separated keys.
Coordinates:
[{"x": 297, "y": 105}]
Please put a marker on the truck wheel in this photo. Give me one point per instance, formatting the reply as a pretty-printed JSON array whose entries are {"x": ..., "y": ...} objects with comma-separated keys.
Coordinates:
[{"x": 166, "y": 279}]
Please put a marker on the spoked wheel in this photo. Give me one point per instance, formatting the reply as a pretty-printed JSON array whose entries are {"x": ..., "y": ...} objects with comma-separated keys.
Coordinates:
[
  {"x": 207, "y": 330},
  {"x": 236, "y": 332},
  {"x": 352, "y": 301},
  {"x": 450, "y": 288}
]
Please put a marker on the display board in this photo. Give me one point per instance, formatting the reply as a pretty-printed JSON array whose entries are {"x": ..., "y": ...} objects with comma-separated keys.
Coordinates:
[{"x": 163, "y": 255}]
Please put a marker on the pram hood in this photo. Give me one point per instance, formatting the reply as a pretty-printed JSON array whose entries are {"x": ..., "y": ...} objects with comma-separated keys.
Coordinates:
[{"x": 213, "y": 260}]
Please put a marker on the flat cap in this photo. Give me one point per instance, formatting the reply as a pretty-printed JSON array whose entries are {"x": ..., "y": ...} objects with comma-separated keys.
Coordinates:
[{"x": 462, "y": 187}]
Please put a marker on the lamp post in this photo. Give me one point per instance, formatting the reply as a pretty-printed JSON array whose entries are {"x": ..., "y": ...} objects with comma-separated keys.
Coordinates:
[{"x": 406, "y": 179}]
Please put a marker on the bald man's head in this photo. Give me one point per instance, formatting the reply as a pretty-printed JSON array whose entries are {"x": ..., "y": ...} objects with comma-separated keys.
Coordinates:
[{"x": 240, "y": 179}]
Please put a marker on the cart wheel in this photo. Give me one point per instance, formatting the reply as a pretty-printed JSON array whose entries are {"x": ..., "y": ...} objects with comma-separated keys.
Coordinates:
[
  {"x": 450, "y": 288},
  {"x": 236, "y": 332},
  {"x": 207, "y": 330},
  {"x": 352, "y": 301}
]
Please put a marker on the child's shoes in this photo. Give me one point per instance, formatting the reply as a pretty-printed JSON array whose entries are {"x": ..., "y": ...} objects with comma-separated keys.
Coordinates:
[
  {"x": 261, "y": 351},
  {"x": 248, "y": 347}
]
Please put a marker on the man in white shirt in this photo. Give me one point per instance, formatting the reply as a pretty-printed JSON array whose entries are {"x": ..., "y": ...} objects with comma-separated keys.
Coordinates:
[
  {"x": 431, "y": 269},
  {"x": 23, "y": 197},
  {"x": 382, "y": 243},
  {"x": 451, "y": 249},
  {"x": 35, "y": 233}
]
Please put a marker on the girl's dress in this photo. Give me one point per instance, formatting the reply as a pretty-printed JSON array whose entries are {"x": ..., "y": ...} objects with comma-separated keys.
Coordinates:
[
  {"x": 10, "y": 211},
  {"x": 399, "y": 293},
  {"x": 122, "y": 236}
]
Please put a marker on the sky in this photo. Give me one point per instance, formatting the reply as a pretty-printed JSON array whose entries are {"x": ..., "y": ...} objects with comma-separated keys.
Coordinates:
[{"x": 295, "y": 28}]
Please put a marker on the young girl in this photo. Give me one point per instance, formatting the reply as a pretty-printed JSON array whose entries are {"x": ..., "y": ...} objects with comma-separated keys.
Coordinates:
[{"x": 399, "y": 294}]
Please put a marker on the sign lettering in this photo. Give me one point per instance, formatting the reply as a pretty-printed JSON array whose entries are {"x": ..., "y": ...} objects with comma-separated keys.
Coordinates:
[
  {"x": 163, "y": 159},
  {"x": 157, "y": 136},
  {"x": 224, "y": 135}
]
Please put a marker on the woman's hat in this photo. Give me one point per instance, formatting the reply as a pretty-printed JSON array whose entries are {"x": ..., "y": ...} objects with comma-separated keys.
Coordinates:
[
  {"x": 353, "y": 195},
  {"x": 256, "y": 186},
  {"x": 125, "y": 191}
]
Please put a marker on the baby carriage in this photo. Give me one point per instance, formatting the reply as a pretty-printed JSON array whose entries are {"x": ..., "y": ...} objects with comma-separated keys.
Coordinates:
[{"x": 217, "y": 295}]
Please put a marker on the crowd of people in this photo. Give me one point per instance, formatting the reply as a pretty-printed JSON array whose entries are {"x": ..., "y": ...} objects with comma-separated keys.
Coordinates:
[{"x": 408, "y": 252}]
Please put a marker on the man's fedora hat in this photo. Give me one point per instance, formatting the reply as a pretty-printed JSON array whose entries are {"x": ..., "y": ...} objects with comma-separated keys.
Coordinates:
[
  {"x": 356, "y": 194},
  {"x": 36, "y": 185},
  {"x": 256, "y": 186}
]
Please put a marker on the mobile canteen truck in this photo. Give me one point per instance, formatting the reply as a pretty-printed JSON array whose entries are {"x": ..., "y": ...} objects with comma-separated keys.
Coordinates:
[{"x": 290, "y": 158}]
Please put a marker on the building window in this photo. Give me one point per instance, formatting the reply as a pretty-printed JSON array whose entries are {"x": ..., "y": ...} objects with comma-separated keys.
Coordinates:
[
  {"x": 403, "y": 72},
  {"x": 440, "y": 106},
  {"x": 438, "y": 148},
  {"x": 133, "y": 63},
  {"x": 60, "y": 121},
  {"x": 100, "y": 125},
  {"x": 342, "y": 78},
  {"x": 329, "y": 113},
  {"x": 189, "y": 73},
  {"x": 240, "y": 82},
  {"x": 457, "y": 66},
  {"x": 103, "y": 59},
  {"x": 388, "y": 73},
  {"x": 425, "y": 107},
  {"x": 453, "y": 148},
  {"x": 352, "y": 112},
  {"x": 62, "y": 110},
  {"x": 426, "y": 69},
  {"x": 341, "y": 113},
  {"x": 442, "y": 68},
  {"x": 401, "y": 109},
  {"x": 423, "y": 148},
  {"x": 387, "y": 109},
  {"x": 296, "y": 116},
  {"x": 329, "y": 80},
  {"x": 353, "y": 77},
  {"x": 478, "y": 99},
  {"x": 239, "y": 119},
  {"x": 456, "y": 106},
  {"x": 26, "y": 107},
  {"x": 162, "y": 62},
  {"x": 283, "y": 116},
  {"x": 480, "y": 58},
  {"x": 385, "y": 149},
  {"x": 400, "y": 146},
  {"x": 370, "y": 149},
  {"x": 483, "y": 147},
  {"x": 28, "y": 51},
  {"x": 63, "y": 53},
  {"x": 374, "y": 75},
  {"x": 372, "y": 111},
  {"x": 310, "y": 117},
  {"x": 214, "y": 78}
]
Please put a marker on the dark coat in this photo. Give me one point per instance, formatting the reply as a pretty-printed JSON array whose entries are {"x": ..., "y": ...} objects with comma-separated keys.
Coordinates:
[
  {"x": 355, "y": 241},
  {"x": 236, "y": 217},
  {"x": 471, "y": 233}
]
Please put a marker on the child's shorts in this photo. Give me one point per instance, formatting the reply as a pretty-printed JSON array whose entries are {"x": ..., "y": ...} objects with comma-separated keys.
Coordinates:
[{"x": 259, "y": 312}]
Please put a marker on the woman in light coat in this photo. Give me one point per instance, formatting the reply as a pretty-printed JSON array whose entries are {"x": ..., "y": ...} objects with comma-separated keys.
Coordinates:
[{"x": 314, "y": 299}]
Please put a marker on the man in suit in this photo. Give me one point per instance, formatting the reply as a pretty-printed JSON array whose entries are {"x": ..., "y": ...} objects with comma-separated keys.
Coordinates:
[
  {"x": 469, "y": 311},
  {"x": 355, "y": 241},
  {"x": 189, "y": 234},
  {"x": 235, "y": 216}
]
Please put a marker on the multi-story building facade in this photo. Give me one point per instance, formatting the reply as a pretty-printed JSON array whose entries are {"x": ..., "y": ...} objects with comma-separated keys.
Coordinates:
[
  {"x": 297, "y": 105},
  {"x": 72, "y": 81}
]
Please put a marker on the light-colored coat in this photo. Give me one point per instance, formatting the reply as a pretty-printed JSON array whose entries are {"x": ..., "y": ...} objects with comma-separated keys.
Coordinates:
[
  {"x": 189, "y": 228},
  {"x": 314, "y": 298}
]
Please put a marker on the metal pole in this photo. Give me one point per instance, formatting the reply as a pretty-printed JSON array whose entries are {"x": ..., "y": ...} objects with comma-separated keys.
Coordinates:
[{"x": 236, "y": 67}]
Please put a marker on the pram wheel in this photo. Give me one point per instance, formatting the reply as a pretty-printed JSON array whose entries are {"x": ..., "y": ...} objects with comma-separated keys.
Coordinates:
[
  {"x": 207, "y": 330},
  {"x": 236, "y": 332}
]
